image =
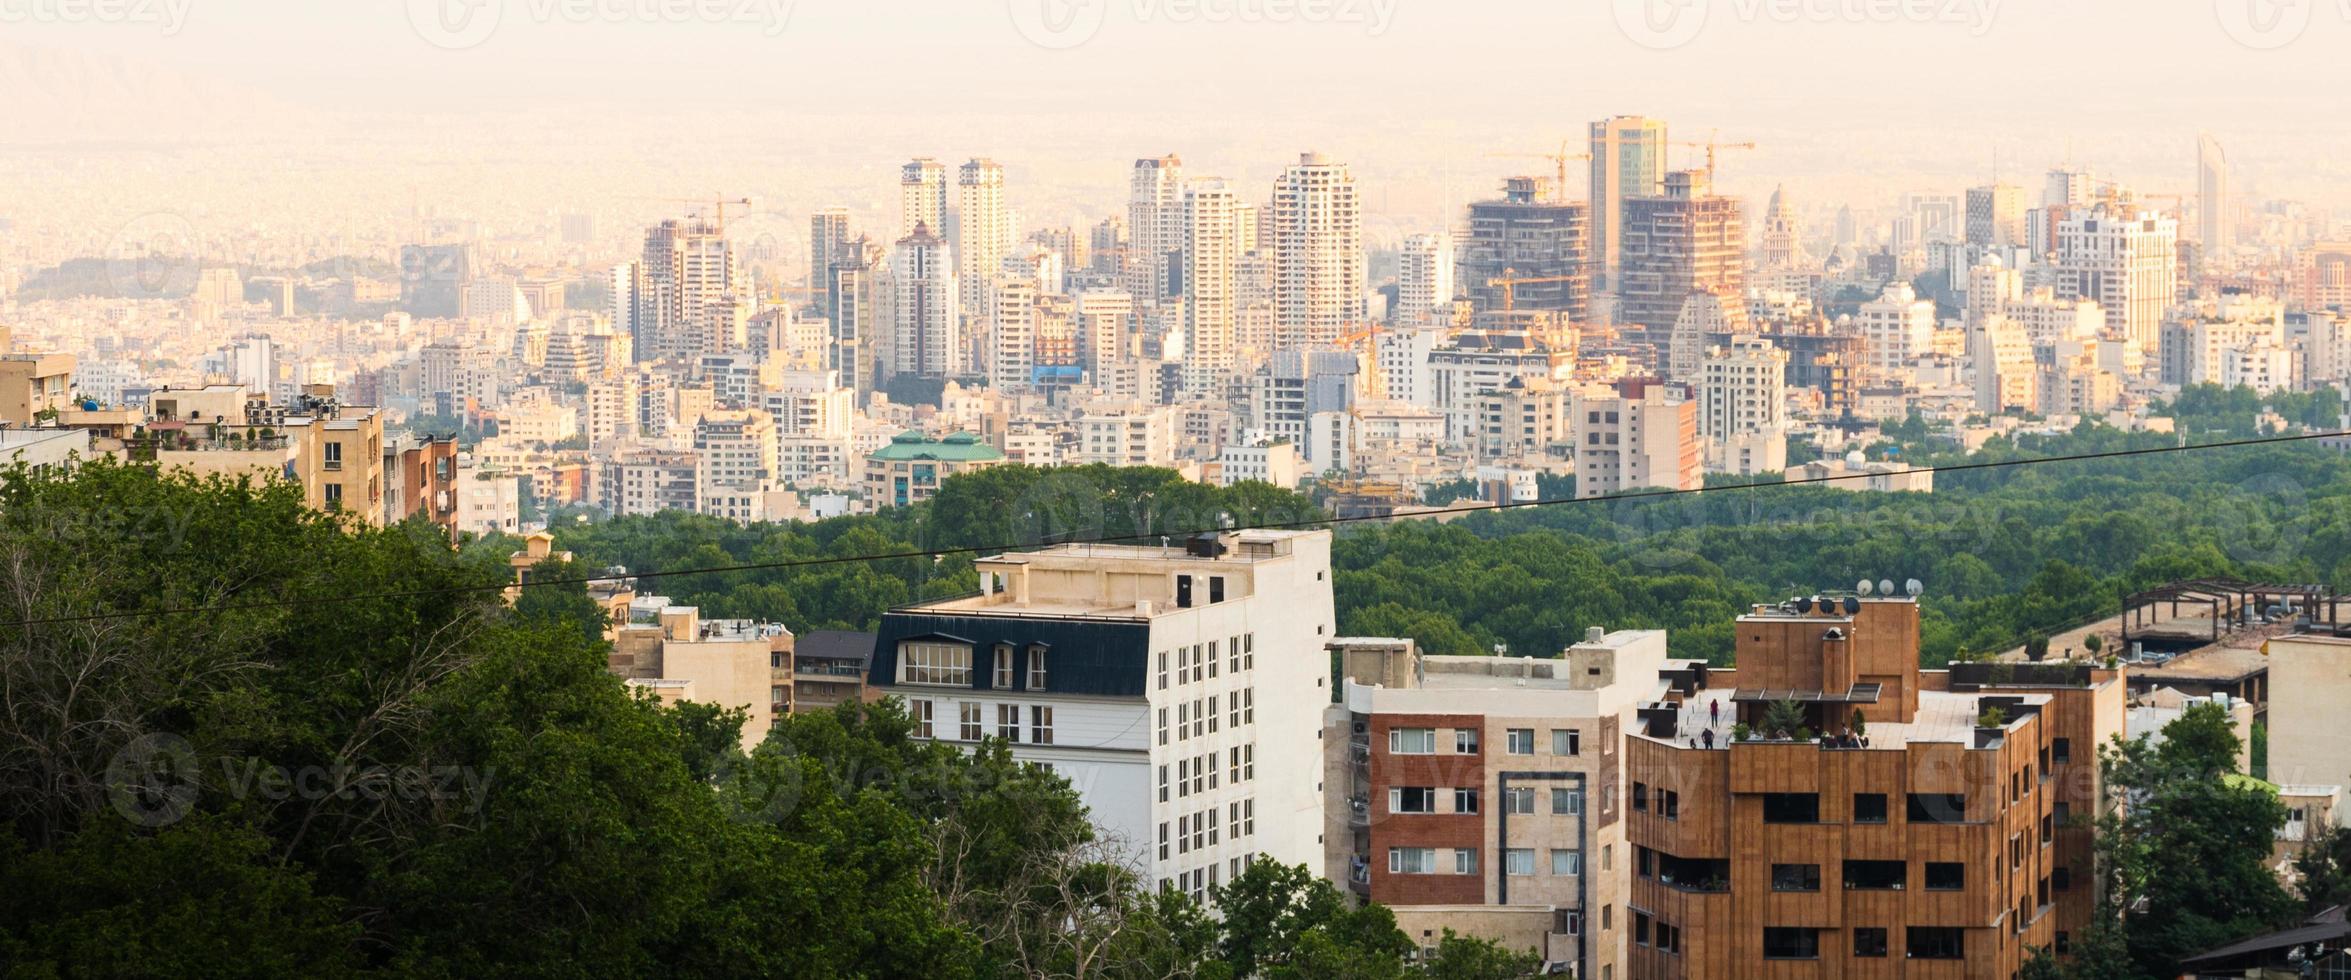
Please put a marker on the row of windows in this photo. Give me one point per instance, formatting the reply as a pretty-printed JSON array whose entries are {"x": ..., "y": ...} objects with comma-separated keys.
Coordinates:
[
  {"x": 1515, "y": 741},
  {"x": 949, "y": 665},
  {"x": 1920, "y": 942},
  {"x": 1516, "y": 801},
  {"x": 1516, "y": 861},
  {"x": 1198, "y": 774},
  {"x": 971, "y": 727},
  {"x": 1198, "y": 717},
  {"x": 1198, "y": 830},
  {"x": 1199, "y": 662},
  {"x": 1868, "y": 808}
]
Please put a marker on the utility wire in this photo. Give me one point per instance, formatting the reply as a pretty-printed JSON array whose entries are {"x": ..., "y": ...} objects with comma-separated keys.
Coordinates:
[{"x": 936, "y": 553}]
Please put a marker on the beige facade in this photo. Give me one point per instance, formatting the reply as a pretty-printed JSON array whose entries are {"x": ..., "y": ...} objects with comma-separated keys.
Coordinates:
[{"x": 730, "y": 663}]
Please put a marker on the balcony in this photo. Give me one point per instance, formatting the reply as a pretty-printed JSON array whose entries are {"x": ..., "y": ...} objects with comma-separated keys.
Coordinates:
[{"x": 1358, "y": 811}]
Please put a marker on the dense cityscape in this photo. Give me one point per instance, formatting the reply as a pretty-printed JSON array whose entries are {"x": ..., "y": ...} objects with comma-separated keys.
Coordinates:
[{"x": 539, "y": 539}]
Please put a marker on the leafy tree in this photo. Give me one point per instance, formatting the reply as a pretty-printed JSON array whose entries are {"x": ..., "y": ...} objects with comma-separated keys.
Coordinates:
[
  {"x": 2325, "y": 870},
  {"x": 1286, "y": 921},
  {"x": 1467, "y": 958}
]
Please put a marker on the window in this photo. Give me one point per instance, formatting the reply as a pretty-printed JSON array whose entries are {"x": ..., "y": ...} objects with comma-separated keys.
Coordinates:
[
  {"x": 1519, "y": 861},
  {"x": 1869, "y": 943},
  {"x": 1465, "y": 741},
  {"x": 1249, "y": 815},
  {"x": 1163, "y": 726},
  {"x": 935, "y": 664},
  {"x": 1004, "y": 668},
  {"x": 334, "y": 492},
  {"x": 1216, "y": 588},
  {"x": 1782, "y": 943},
  {"x": 1163, "y": 788},
  {"x": 2061, "y": 750},
  {"x": 1163, "y": 829},
  {"x": 1464, "y": 800},
  {"x": 334, "y": 456},
  {"x": 1876, "y": 875},
  {"x": 2061, "y": 879},
  {"x": 1641, "y": 797},
  {"x": 1946, "y": 876},
  {"x": 1566, "y": 801},
  {"x": 1567, "y": 741},
  {"x": 1521, "y": 741},
  {"x": 1412, "y": 799},
  {"x": 1036, "y": 669},
  {"x": 1183, "y": 720},
  {"x": 1183, "y": 592},
  {"x": 1791, "y": 808},
  {"x": 1249, "y": 643},
  {"x": 1795, "y": 877},
  {"x": 1672, "y": 805},
  {"x": 1669, "y": 938},
  {"x": 1249, "y": 761},
  {"x": 1519, "y": 801},
  {"x": 1008, "y": 722},
  {"x": 1212, "y": 658},
  {"x": 1232, "y": 813},
  {"x": 1640, "y": 928},
  {"x": 1412, "y": 860},
  {"x": 1199, "y": 663},
  {"x": 1210, "y": 714},
  {"x": 1936, "y": 943},
  {"x": 1939, "y": 807},
  {"x": 1869, "y": 808},
  {"x": 922, "y": 719},
  {"x": 1567, "y": 862},
  {"x": 1041, "y": 724},
  {"x": 1465, "y": 860},
  {"x": 1233, "y": 649},
  {"x": 1234, "y": 764},
  {"x": 1412, "y": 741},
  {"x": 1163, "y": 670}
]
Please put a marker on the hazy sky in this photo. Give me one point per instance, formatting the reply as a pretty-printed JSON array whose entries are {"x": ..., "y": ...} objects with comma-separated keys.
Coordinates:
[{"x": 1418, "y": 91}]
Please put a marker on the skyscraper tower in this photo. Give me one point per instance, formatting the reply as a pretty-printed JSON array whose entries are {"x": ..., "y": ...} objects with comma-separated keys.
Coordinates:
[
  {"x": 2212, "y": 197},
  {"x": 1686, "y": 241},
  {"x": 1628, "y": 161},
  {"x": 926, "y": 335},
  {"x": 828, "y": 243},
  {"x": 686, "y": 267},
  {"x": 1527, "y": 235},
  {"x": 1424, "y": 278},
  {"x": 1208, "y": 255},
  {"x": 2124, "y": 258},
  {"x": 1995, "y": 215},
  {"x": 1155, "y": 229},
  {"x": 983, "y": 230},
  {"x": 1318, "y": 253},
  {"x": 922, "y": 196}
]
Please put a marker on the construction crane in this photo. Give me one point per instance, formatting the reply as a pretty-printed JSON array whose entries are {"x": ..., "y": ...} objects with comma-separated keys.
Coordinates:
[
  {"x": 1511, "y": 280},
  {"x": 1559, "y": 188},
  {"x": 718, "y": 207},
  {"x": 1712, "y": 145}
]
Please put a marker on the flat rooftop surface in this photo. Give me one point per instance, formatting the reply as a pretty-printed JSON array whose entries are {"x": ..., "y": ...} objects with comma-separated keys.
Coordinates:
[{"x": 1942, "y": 717}]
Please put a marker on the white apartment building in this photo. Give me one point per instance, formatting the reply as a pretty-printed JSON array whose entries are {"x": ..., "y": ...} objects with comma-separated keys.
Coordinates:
[
  {"x": 1128, "y": 434},
  {"x": 1318, "y": 253},
  {"x": 1424, "y": 279},
  {"x": 734, "y": 459},
  {"x": 2006, "y": 373},
  {"x": 1743, "y": 407},
  {"x": 489, "y": 499},
  {"x": 1898, "y": 328},
  {"x": 983, "y": 230},
  {"x": 1106, "y": 329},
  {"x": 2127, "y": 260},
  {"x": 1403, "y": 356},
  {"x": 1154, "y": 227},
  {"x": 1277, "y": 463},
  {"x": 922, "y": 196},
  {"x": 1475, "y": 363},
  {"x": 1208, "y": 257},
  {"x": 926, "y": 332},
  {"x": 1180, "y": 690},
  {"x": 1012, "y": 334}
]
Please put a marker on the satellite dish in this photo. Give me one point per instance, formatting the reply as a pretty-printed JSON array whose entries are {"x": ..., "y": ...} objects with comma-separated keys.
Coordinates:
[
  {"x": 1852, "y": 604},
  {"x": 1885, "y": 586},
  {"x": 1864, "y": 587},
  {"x": 1804, "y": 605},
  {"x": 1915, "y": 587}
]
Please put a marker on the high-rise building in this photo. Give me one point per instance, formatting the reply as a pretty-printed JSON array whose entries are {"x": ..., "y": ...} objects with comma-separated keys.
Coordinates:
[
  {"x": 1012, "y": 334},
  {"x": 2125, "y": 259},
  {"x": 1424, "y": 279},
  {"x": 1687, "y": 241},
  {"x": 983, "y": 230},
  {"x": 1900, "y": 823},
  {"x": 1995, "y": 216},
  {"x": 1155, "y": 230},
  {"x": 854, "y": 296},
  {"x": 1318, "y": 252},
  {"x": 734, "y": 459},
  {"x": 2006, "y": 374},
  {"x": 1896, "y": 330},
  {"x": 1207, "y": 274},
  {"x": 1628, "y": 161},
  {"x": 2212, "y": 199},
  {"x": 1743, "y": 407},
  {"x": 926, "y": 338},
  {"x": 828, "y": 245},
  {"x": 1180, "y": 689},
  {"x": 1637, "y": 436},
  {"x": 1526, "y": 235},
  {"x": 922, "y": 196},
  {"x": 1294, "y": 386},
  {"x": 686, "y": 266}
]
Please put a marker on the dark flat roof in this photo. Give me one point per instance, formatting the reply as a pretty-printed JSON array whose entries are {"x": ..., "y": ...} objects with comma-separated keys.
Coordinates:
[{"x": 835, "y": 645}]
